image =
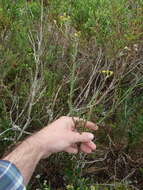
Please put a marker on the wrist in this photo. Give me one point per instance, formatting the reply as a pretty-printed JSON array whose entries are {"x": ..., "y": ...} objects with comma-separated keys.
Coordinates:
[
  {"x": 39, "y": 147},
  {"x": 34, "y": 147}
]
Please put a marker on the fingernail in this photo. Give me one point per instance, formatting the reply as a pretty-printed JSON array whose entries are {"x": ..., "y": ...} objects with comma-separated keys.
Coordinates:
[{"x": 90, "y": 136}]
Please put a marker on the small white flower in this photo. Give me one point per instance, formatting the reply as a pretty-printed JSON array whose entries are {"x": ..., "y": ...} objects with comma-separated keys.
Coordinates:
[
  {"x": 38, "y": 176},
  {"x": 45, "y": 182},
  {"x": 135, "y": 46},
  {"x": 127, "y": 48}
]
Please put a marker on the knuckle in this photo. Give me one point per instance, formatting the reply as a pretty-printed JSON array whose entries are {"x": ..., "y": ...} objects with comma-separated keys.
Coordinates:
[{"x": 63, "y": 117}]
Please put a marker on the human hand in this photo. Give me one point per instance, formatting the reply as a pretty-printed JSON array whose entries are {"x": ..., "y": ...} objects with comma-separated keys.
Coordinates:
[{"x": 61, "y": 135}]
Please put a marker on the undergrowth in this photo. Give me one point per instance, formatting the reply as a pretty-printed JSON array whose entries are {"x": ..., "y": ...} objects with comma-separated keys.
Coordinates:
[{"x": 81, "y": 58}]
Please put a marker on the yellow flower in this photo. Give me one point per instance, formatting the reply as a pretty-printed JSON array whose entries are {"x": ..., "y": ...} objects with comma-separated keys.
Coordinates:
[
  {"x": 107, "y": 72},
  {"x": 70, "y": 187},
  {"x": 77, "y": 34},
  {"x": 64, "y": 17},
  {"x": 92, "y": 187},
  {"x": 55, "y": 21}
]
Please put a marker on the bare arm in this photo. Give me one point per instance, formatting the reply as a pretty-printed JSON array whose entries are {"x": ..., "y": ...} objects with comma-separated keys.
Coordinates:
[
  {"x": 58, "y": 136},
  {"x": 26, "y": 156}
]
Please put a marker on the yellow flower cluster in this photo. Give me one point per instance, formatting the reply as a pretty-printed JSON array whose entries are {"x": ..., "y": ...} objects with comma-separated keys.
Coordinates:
[
  {"x": 107, "y": 72},
  {"x": 64, "y": 17}
]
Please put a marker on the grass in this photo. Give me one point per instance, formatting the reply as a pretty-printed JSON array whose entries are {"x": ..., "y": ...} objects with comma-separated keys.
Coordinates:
[{"x": 81, "y": 58}]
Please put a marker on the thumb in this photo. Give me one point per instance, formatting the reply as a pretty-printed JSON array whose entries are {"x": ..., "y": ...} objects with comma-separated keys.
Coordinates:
[{"x": 83, "y": 137}]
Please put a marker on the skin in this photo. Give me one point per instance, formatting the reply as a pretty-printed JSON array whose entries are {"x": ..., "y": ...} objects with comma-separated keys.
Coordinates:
[{"x": 61, "y": 135}]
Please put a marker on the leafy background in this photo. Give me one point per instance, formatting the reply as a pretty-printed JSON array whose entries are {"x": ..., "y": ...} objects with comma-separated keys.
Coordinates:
[{"x": 81, "y": 58}]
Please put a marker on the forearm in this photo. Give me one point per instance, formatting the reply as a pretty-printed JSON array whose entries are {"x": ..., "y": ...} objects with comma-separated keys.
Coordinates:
[{"x": 26, "y": 156}]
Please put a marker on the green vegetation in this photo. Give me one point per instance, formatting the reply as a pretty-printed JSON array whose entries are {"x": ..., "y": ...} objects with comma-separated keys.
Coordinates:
[{"x": 82, "y": 58}]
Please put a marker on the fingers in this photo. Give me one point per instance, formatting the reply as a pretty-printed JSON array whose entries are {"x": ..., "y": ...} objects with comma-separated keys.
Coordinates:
[
  {"x": 91, "y": 145},
  {"x": 84, "y": 148},
  {"x": 84, "y": 137},
  {"x": 81, "y": 122},
  {"x": 88, "y": 147},
  {"x": 76, "y": 121}
]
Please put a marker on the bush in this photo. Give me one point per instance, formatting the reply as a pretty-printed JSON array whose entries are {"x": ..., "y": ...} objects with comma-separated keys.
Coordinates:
[{"x": 79, "y": 58}]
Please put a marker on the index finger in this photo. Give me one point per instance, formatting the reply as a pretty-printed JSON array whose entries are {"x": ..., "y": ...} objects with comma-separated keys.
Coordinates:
[{"x": 78, "y": 122}]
